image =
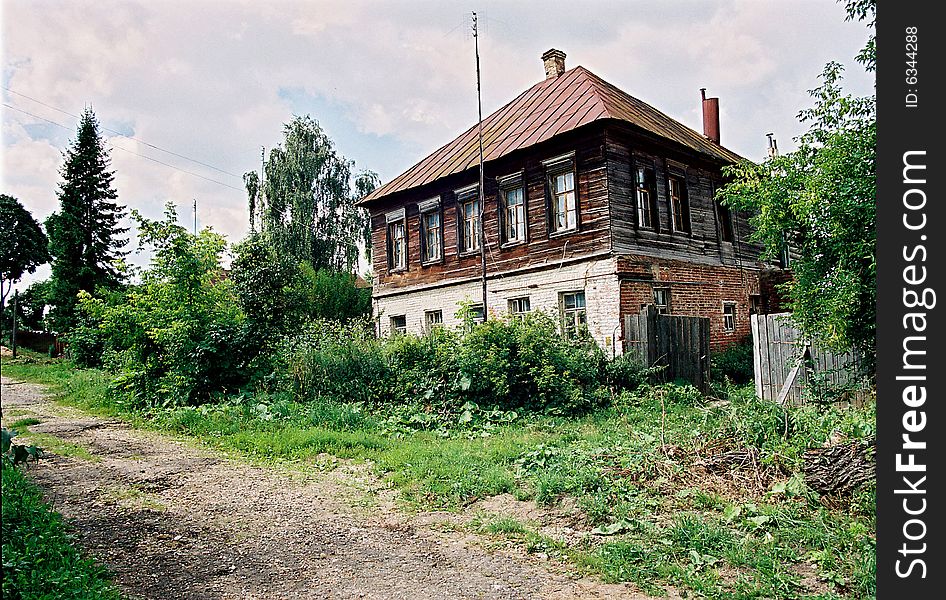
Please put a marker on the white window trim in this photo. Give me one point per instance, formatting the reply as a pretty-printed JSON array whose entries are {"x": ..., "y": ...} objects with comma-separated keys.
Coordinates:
[
  {"x": 735, "y": 309},
  {"x": 395, "y": 215}
]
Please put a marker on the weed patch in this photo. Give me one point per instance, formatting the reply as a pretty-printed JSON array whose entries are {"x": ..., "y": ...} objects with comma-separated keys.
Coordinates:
[{"x": 39, "y": 560}]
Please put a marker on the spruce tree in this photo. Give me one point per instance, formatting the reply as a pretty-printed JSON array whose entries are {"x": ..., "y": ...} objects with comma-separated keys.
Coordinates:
[{"x": 84, "y": 235}]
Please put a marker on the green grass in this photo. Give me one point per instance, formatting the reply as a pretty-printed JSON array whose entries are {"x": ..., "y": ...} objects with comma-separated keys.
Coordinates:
[
  {"x": 39, "y": 560},
  {"x": 48, "y": 442},
  {"x": 628, "y": 468}
]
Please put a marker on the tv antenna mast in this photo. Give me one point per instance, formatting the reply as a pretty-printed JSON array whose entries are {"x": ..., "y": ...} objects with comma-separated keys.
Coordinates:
[{"x": 479, "y": 105}]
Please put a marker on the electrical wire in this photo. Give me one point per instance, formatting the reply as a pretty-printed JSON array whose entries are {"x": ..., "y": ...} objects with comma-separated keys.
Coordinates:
[
  {"x": 140, "y": 141},
  {"x": 117, "y": 147}
]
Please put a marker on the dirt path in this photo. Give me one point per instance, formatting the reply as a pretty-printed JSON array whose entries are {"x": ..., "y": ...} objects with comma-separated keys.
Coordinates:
[{"x": 172, "y": 520}]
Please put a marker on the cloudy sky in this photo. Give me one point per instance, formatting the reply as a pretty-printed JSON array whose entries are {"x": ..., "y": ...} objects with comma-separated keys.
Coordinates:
[{"x": 188, "y": 92}]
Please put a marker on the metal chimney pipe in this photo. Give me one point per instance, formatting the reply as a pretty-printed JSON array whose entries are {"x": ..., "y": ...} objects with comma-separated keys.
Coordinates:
[{"x": 710, "y": 116}]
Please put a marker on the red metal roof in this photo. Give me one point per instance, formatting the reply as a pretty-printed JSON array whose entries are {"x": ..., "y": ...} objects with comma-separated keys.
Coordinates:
[{"x": 553, "y": 106}]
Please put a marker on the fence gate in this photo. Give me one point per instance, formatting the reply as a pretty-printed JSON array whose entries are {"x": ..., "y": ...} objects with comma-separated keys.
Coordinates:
[
  {"x": 679, "y": 343},
  {"x": 788, "y": 368}
]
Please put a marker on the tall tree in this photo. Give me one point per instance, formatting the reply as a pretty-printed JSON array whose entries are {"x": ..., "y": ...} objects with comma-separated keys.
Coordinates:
[
  {"x": 820, "y": 200},
  {"x": 84, "y": 235},
  {"x": 23, "y": 245},
  {"x": 305, "y": 202}
]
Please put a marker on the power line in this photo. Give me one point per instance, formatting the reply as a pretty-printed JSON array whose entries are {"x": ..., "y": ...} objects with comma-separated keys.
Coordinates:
[
  {"x": 117, "y": 147},
  {"x": 65, "y": 112}
]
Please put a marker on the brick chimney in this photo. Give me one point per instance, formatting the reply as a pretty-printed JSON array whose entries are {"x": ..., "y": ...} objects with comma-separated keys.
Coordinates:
[
  {"x": 554, "y": 63},
  {"x": 710, "y": 117}
]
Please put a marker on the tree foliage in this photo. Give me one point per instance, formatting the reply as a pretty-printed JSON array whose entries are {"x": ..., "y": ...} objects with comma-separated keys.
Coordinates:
[
  {"x": 176, "y": 337},
  {"x": 23, "y": 245},
  {"x": 820, "y": 200},
  {"x": 278, "y": 294},
  {"x": 305, "y": 203},
  {"x": 84, "y": 235}
]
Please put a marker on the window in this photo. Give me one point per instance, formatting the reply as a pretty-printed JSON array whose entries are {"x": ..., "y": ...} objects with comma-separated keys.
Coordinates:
[
  {"x": 679, "y": 204},
  {"x": 755, "y": 304},
  {"x": 519, "y": 306},
  {"x": 399, "y": 324},
  {"x": 433, "y": 318},
  {"x": 477, "y": 313},
  {"x": 729, "y": 316},
  {"x": 564, "y": 206},
  {"x": 431, "y": 235},
  {"x": 514, "y": 215},
  {"x": 397, "y": 246},
  {"x": 646, "y": 184},
  {"x": 725, "y": 222},
  {"x": 468, "y": 203},
  {"x": 562, "y": 194},
  {"x": 574, "y": 318},
  {"x": 662, "y": 300}
]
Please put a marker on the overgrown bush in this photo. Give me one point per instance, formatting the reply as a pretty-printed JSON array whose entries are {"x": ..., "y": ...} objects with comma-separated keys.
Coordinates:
[
  {"x": 177, "y": 338},
  {"x": 735, "y": 363},
  {"x": 626, "y": 373},
  {"x": 521, "y": 364},
  {"x": 524, "y": 363},
  {"x": 278, "y": 294},
  {"x": 339, "y": 361}
]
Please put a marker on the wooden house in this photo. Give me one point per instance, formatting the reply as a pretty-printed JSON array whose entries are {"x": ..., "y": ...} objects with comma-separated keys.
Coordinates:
[{"x": 595, "y": 205}]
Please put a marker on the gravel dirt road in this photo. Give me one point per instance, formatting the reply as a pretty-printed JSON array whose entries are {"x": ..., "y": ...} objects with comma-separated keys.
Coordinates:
[{"x": 171, "y": 520}]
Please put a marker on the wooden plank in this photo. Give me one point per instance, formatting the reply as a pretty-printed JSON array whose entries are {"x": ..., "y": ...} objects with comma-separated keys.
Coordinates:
[{"x": 756, "y": 353}]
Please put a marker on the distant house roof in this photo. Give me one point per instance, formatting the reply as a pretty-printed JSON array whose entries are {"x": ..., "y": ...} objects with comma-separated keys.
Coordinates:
[{"x": 553, "y": 106}]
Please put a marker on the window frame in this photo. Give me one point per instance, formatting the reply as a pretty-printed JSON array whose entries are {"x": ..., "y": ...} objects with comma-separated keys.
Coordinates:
[
  {"x": 665, "y": 307},
  {"x": 396, "y": 219},
  {"x": 727, "y": 231},
  {"x": 477, "y": 308},
  {"x": 516, "y": 302},
  {"x": 682, "y": 199},
  {"x": 727, "y": 327},
  {"x": 426, "y": 209},
  {"x": 555, "y": 167},
  {"x": 468, "y": 195},
  {"x": 506, "y": 184},
  {"x": 641, "y": 184},
  {"x": 395, "y": 329},
  {"x": 570, "y": 326},
  {"x": 430, "y": 324}
]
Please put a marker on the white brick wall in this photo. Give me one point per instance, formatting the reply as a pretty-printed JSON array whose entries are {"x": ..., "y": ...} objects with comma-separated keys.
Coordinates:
[{"x": 597, "y": 277}]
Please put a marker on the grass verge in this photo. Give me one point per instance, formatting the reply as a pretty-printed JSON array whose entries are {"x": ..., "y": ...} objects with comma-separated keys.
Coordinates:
[{"x": 39, "y": 560}]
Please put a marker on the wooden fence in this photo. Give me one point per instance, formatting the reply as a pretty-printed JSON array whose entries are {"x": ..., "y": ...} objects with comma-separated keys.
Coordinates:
[
  {"x": 679, "y": 343},
  {"x": 790, "y": 370}
]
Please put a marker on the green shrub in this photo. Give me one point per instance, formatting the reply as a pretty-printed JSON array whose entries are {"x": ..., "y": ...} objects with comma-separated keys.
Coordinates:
[
  {"x": 515, "y": 364},
  {"x": 735, "y": 363},
  {"x": 339, "y": 361},
  {"x": 626, "y": 372},
  {"x": 524, "y": 363},
  {"x": 178, "y": 337}
]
